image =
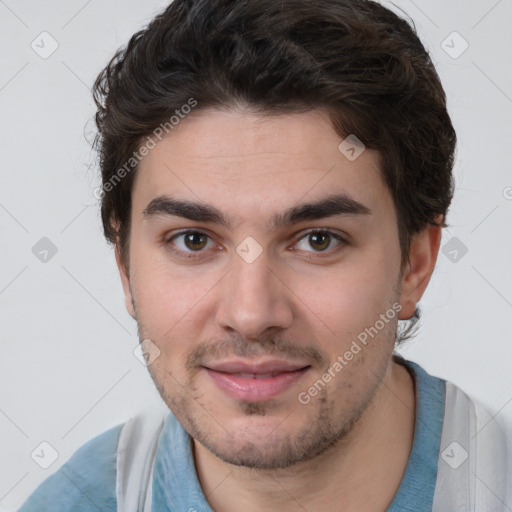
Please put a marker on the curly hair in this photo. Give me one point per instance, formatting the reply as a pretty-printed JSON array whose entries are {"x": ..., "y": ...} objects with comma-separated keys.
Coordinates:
[{"x": 356, "y": 59}]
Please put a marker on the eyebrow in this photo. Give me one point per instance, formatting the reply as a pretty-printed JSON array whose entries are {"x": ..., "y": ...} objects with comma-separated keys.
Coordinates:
[{"x": 332, "y": 205}]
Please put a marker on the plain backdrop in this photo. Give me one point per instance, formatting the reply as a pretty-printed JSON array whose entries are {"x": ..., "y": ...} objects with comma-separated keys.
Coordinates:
[{"x": 67, "y": 367}]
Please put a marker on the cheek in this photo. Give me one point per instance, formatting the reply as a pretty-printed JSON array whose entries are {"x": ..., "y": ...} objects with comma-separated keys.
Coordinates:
[
  {"x": 170, "y": 306},
  {"x": 162, "y": 296},
  {"x": 344, "y": 302},
  {"x": 351, "y": 294}
]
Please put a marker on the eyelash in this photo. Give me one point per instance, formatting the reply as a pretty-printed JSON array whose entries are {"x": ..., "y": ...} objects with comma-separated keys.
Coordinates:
[{"x": 197, "y": 254}]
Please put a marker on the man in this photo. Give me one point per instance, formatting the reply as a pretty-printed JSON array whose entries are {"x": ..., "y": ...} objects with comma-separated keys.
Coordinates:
[{"x": 275, "y": 178}]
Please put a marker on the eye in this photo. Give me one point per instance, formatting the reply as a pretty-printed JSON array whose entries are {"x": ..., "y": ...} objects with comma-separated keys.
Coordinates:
[
  {"x": 190, "y": 242},
  {"x": 320, "y": 240},
  {"x": 187, "y": 243}
]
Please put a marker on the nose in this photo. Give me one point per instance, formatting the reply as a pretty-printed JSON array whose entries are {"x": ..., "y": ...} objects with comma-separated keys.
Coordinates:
[{"x": 254, "y": 298}]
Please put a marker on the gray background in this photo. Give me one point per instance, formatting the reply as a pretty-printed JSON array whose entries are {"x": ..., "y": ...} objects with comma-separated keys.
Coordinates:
[{"x": 67, "y": 368}]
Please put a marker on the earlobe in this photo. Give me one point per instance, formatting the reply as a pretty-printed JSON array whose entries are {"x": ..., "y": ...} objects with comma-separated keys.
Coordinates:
[
  {"x": 417, "y": 274},
  {"x": 125, "y": 281}
]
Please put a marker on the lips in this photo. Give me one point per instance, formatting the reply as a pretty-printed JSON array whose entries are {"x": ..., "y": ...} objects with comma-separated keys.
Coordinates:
[
  {"x": 247, "y": 381},
  {"x": 256, "y": 375},
  {"x": 266, "y": 367}
]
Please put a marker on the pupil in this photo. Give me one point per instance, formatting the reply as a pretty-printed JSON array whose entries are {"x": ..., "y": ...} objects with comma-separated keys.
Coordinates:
[
  {"x": 191, "y": 240},
  {"x": 316, "y": 236}
]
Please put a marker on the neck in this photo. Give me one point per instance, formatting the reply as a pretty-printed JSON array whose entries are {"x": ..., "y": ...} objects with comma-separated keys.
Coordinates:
[{"x": 361, "y": 473}]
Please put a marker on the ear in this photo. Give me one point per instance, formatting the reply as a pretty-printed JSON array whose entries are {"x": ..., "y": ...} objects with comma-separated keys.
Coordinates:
[
  {"x": 417, "y": 273},
  {"x": 125, "y": 280}
]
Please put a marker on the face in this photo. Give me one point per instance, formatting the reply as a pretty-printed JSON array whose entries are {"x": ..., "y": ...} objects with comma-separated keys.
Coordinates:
[{"x": 250, "y": 296}]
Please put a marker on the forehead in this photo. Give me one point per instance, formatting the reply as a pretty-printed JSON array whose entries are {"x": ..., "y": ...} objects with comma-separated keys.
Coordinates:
[{"x": 251, "y": 164}]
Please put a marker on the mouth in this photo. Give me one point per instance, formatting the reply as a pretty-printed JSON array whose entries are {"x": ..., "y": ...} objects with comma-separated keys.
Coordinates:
[{"x": 255, "y": 382}]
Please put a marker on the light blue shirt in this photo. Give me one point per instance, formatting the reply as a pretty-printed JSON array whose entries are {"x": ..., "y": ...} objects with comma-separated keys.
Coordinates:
[{"x": 87, "y": 482}]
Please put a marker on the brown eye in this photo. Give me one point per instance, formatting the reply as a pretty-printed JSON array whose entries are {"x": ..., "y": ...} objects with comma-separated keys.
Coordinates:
[
  {"x": 189, "y": 244},
  {"x": 195, "y": 241},
  {"x": 320, "y": 241}
]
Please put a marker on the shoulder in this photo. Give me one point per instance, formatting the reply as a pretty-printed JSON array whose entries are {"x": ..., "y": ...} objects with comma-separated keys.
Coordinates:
[
  {"x": 86, "y": 482},
  {"x": 491, "y": 434},
  {"x": 477, "y": 451},
  {"x": 487, "y": 426}
]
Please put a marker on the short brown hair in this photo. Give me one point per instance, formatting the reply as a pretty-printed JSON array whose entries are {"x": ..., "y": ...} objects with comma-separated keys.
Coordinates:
[{"x": 355, "y": 58}]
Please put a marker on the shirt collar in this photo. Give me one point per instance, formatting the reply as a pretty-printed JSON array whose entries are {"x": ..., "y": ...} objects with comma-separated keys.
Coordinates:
[{"x": 416, "y": 491}]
